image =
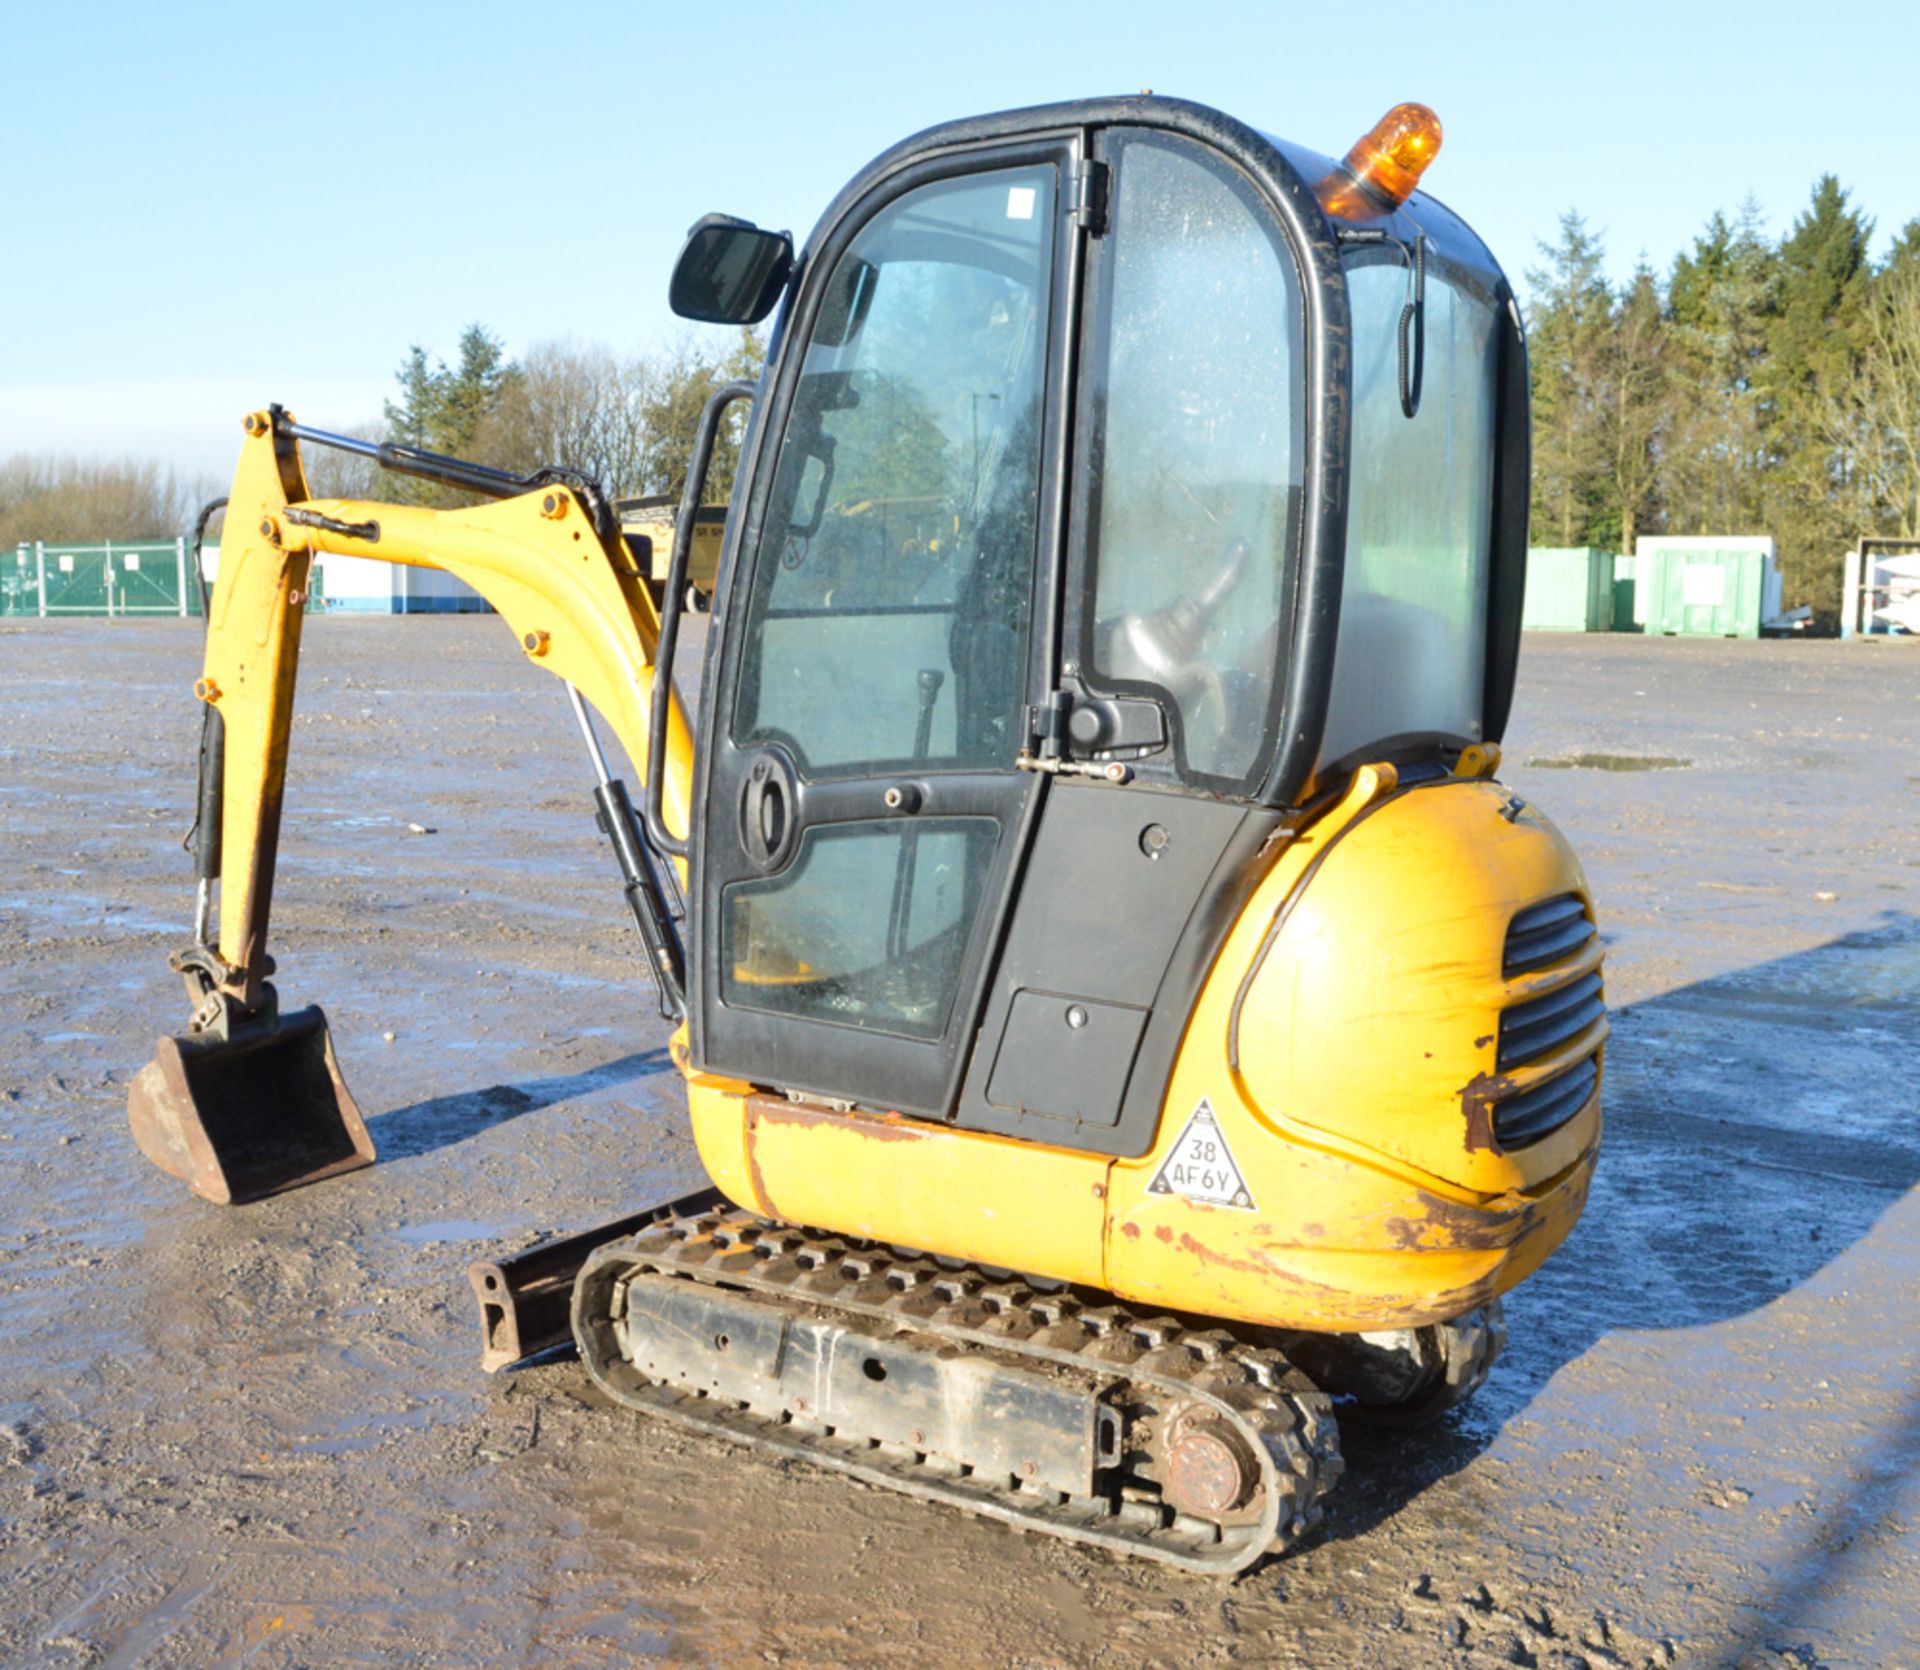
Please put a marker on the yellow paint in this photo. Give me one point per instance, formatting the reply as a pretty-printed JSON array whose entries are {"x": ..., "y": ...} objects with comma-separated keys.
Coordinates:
[
  {"x": 576, "y": 605},
  {"x": 1375, "y": 1007},
  {"x": 1017, "y": 1204},
  {"x": 1375, "y": 1010},
  {"x": 253, "y": 649}
]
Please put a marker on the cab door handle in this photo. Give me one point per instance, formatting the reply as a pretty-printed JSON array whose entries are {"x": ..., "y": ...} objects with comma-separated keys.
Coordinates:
[{"x": 768, "y": 806}]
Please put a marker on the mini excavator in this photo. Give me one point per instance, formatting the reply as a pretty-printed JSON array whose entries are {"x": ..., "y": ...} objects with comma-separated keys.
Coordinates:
[{"x": 1127, "y": 1025}]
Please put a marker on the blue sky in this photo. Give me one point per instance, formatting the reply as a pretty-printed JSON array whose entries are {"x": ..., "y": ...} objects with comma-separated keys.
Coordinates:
[{"x": 209, "y": 207}]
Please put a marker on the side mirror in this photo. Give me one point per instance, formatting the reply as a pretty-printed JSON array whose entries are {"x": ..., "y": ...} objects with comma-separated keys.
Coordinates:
[{"x": 730, "y": 272}]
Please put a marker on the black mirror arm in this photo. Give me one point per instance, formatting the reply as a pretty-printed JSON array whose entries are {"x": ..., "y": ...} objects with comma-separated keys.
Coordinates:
[{"x": 663, "y": 839}]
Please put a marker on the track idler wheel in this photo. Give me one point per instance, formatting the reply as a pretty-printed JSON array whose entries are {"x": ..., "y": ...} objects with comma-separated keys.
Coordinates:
[{"x": 1209, "y": 1469}]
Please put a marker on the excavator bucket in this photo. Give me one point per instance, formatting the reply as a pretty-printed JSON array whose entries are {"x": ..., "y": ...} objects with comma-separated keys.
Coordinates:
[{"x": 242, "y": 1118}]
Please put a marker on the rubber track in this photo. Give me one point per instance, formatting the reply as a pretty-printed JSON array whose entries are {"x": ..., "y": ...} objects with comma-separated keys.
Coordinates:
[{"x": 1145, "y": 1361}]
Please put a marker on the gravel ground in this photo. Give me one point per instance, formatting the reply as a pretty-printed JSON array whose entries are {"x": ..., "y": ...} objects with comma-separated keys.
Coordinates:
[{"x": 260, "y": 1436}]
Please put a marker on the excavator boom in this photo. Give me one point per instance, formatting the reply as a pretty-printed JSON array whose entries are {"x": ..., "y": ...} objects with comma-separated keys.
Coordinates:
[{"x": 249, "y": 1102}]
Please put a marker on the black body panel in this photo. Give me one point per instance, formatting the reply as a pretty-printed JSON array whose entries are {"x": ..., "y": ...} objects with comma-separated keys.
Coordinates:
[{"x": 1104, "y": 926}]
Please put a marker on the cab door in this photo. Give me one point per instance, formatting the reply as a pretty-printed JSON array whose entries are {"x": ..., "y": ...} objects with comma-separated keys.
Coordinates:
[{"x": 885, "y": 628}]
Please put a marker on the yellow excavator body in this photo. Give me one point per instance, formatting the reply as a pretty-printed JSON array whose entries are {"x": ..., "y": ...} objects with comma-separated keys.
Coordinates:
[
  {"x": 1122, "y": 1013},
  {"x": 1353, "y": 1088}
]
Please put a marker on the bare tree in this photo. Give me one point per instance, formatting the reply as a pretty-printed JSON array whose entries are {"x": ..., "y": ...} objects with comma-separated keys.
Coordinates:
[
  {"x": 68, "y": 499},
  {"x": 332, "y": 474},
  {"x": 1873, "y": 419},
  {"x": 584, "y": 407}
]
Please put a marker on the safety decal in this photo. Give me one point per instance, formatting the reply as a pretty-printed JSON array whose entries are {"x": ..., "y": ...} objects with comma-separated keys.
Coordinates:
[{"x": 1201, "y": 1166}]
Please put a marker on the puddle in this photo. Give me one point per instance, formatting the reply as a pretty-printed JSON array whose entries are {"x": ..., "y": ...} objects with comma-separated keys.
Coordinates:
[
  {"x": 364, "y": 1431},
  {"x": 450, "y": 1229},
  {"x": 1612, "y": 762}
]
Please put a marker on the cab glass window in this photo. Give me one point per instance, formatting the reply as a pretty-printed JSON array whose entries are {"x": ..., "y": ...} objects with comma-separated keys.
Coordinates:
[
  {"x": 1196, "y": 401},
  {"x": 1411, "y": 658},
  {"x": 887, "y": 625}
]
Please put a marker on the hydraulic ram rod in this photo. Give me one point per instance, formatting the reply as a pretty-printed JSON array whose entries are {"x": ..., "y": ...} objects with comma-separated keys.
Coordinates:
[
  {"x": 453, "y": 472},
  {"x": 646, "y": 897}
]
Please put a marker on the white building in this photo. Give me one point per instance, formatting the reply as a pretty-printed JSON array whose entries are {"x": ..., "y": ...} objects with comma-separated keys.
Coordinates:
[{"x": 360, "y": 585}]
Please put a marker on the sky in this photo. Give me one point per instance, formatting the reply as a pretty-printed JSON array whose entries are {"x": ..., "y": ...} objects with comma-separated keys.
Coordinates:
[{"x": 210, "y": 207}]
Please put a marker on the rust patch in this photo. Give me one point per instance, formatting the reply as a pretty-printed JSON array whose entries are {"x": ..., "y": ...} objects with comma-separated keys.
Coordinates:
[
  {"x": 867, "y": 1127},
  {"x": 1410, "y": 1312},
  {"x": 1447, "y": 1225},
  {"x": 761, "y": 1200},
  {"x": 1317, "y": 1231},
  {"x": 874, "y": 1127},
  {"x": 1481, "y": 1043},
  {"x": 1477, "y": 1097},
  {"x": 1131, "y": 1231},
  {"x": 1164, "y": 1232},
  {"x": 1212, "y": 1255}
]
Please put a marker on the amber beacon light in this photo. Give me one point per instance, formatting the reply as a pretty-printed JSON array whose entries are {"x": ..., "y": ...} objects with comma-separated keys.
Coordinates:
[{"x": 1383, "y": 168}]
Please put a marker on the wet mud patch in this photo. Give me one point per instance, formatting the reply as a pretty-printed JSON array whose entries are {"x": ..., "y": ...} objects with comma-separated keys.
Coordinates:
[{"x": 1611, "y": 762}]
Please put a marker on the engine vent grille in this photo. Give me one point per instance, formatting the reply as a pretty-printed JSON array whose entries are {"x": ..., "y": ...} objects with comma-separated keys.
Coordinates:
[
  {"x": 1546, "y": 932},
  {"x": 1539, "y": 1112},
  {"x": 1542, "y": 1024}
]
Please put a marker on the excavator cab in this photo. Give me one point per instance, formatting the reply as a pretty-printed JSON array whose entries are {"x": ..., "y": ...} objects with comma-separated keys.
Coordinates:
[
  {"x": 1087, "y": 905},
  {"x": 1108, "y": 460}
]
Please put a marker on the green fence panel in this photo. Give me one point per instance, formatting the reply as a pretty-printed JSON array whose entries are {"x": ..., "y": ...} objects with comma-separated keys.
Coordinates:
[
  {"x": 134, "y": 577},
  {"x": 75, "y": 578},
  {"x": 148, "y": 578}
]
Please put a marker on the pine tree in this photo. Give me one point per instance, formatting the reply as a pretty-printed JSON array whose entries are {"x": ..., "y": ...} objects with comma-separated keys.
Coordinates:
[
  {"x": 1721, "y": 297},
  {"x": 471, "y": 389},
  {"x": 1567, "y": 344},
  {"x": 1636, "y": 410},
  {"x": 441, "y": 408},
  {"x": 1813, "y": 352}
]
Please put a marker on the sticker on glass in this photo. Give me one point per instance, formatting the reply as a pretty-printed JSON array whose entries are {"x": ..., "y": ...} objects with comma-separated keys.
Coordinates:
[
  {"x": 1201, "y": 1167},
  {"x": 1020, "y": 201}
]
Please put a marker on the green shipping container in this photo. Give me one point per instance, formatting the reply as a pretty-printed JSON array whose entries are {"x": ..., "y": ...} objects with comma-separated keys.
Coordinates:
[
  {"x": 1703, "y": 592},
  {"x": 1569, "y": 589},
  {"x": 1626, "y": 588}
]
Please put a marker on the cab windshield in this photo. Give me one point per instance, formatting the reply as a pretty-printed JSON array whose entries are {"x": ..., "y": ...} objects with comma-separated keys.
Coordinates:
[{"x": 1410, "y": 665}]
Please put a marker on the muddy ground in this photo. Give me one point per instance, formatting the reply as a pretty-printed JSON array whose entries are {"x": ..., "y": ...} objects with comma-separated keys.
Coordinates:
[{"x": 260, "y": 1436}]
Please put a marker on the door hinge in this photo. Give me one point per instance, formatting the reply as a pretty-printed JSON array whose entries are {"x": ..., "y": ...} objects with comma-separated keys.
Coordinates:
[
  {"x": 1090, "y": 178},
  {"x": 1047, "y": 723}
]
